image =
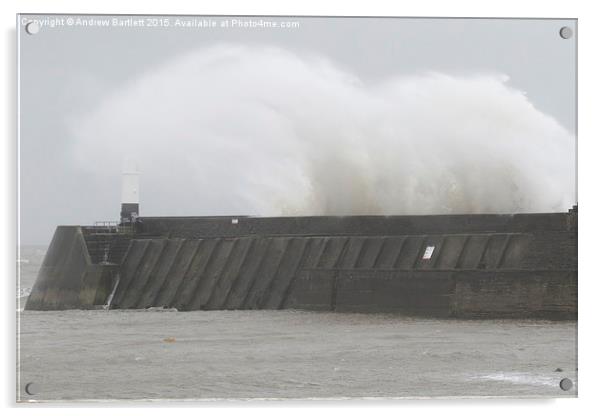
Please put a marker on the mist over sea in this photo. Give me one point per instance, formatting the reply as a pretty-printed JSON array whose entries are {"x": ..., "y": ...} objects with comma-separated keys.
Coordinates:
[{"x": 165, "y": 354}]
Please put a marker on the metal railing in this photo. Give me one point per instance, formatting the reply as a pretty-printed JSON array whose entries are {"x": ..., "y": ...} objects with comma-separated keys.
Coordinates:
[
  {"x": 111, "y": 227},
  {"x": 107, "y": 240}
]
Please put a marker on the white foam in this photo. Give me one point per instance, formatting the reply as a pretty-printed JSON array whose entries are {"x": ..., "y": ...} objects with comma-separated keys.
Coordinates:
[
  {"x": 261, "y": 131},
  {"x": 521, "y": 378}
]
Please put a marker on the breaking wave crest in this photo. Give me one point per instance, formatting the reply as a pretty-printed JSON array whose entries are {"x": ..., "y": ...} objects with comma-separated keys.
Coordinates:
[{"x": 261, "y": 131}]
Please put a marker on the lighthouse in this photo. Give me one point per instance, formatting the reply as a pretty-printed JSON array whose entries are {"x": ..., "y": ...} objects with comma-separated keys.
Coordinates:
[{"x": 130, "y": 193}]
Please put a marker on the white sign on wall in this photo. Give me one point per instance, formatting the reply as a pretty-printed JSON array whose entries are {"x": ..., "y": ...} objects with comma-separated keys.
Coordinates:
[{"x": 428, "y": 252}]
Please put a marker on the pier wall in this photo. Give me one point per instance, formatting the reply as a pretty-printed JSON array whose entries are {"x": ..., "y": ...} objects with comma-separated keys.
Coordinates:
[
  {"x": 490, "y": 266},
  {"x": 68, "y": 279}
]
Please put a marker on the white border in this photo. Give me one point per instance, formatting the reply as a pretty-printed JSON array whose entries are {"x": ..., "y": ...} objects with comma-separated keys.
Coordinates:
[
  {"x": 18, "y": 224},
  {"x": 590, "y": 34}
]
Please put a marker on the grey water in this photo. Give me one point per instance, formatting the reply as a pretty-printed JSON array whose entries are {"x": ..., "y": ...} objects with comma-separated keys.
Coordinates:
[
  {"x": 170, "y": 355},
  {"x": 29, "y": 263}
]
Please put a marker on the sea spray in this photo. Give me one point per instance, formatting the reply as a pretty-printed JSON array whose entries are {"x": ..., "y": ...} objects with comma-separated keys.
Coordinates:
[
  {"x": 107, "y": 305},
  {"x": 261, "y": 131}
]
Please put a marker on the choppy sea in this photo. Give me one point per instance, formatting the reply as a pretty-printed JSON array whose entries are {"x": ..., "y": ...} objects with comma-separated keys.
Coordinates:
[{"x": 165, "y": 354}]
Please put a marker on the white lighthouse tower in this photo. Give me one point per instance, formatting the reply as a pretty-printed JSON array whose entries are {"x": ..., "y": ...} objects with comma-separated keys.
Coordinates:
[{"x": 130, "y": 192}]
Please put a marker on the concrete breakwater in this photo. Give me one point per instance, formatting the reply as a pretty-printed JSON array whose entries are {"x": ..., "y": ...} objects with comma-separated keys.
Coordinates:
[{"x": 466, "y": 266}]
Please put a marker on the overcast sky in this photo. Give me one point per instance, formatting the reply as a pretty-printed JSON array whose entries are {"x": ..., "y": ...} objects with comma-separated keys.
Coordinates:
[{"x": 66, "y": 71}]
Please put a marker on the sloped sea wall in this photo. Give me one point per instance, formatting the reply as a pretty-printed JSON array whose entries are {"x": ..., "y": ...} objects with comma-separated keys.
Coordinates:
[{"x": 478, "y": 266}]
